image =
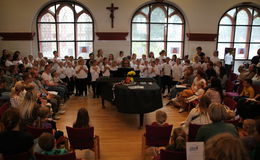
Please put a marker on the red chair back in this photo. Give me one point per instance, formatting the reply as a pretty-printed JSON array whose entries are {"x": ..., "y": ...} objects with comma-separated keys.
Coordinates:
[
  {"x": 81, "y": 138},
  {"x": 36, "y": 132},
  {"x": 172, "y": 155},
  {"x": 158, "y": 135},
  {"x": 3, "y": 108},
  {"x": 68, "y": 156},
  {"x": 230, "y": 102},
  {"x": 229, "y": 86},
  {"x": 20, "y": 156},
  {"x": 193, "y": 129}
]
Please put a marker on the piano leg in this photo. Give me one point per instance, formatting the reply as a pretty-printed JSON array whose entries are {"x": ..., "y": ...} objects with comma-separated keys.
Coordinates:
[
  {"x": 103, "y": 103},
  {"x": 141, "y": 119}
]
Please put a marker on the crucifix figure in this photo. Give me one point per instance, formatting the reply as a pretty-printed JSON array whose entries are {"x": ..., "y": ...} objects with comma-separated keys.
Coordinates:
[{"x": 112, "y": 16}]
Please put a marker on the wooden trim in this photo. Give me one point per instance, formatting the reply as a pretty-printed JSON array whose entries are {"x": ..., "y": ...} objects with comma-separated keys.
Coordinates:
[
  {"x": 19, "y": 36},
  {"x": 201, "y": 36},
  {"x": 111, "y": 35}
]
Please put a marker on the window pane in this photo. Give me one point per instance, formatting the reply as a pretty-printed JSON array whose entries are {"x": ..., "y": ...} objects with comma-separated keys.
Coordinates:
[
  {"x": 139, "y": 18},
  {"x": 170, "y": 11},
  {"x": 139, "y": 31},
  {"x": 225, "y": 33},
  {"x": 242, "y": 18},
  {"x": 221, "y": 49},
  {"x": 255, "y": 35},
  {"x": 174, "y": 48},
  {"x": 253, "y": 50},
  {"x": 241, "y": 51},
  {"x": 47, "y": 48},
  {"x": 139, "y": 48},
  {"x": 232, "y": 12},
  {"x": 158, "y": 15},
  {"x": 225, "y": 20},
  {"x": 256, "y": 21},
  {"x": 47, "y": 18},
  {"x": 241, "y": 33},
  {"x": 47, "y": 32},
  {"x": 84, "y": 32},
  {"x": 84, "y": 49},
  {"x": 174, "y": 32},
  {"x": 66, "y": 49},
  {"x": 175, "y": 19},
  {"x": 78, "y": 8},
  {"x": 158, "y": 31},
  {"x": 66, "y": 32},
  {"x": 156, "y": 47},
  {"x": 145, "y": 10},
  {"x": 52, "y": 9},
  {"x": 84, "y": 18},
  {"x": 66, "y": 15}
]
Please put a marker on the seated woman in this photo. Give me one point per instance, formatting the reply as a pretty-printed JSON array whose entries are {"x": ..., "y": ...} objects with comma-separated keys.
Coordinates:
[
  {"x": 179, "y": 140},
  {"x": 215, "y": 91},
  {"x": 225, "y": 147},
  {"x": 47, "y": 143},
  {"x": 161, "y": 118},
  {"x": 217, "y": 114},
  {"x": 13, "y": 141},
  {"x": 248, "y": 90},
  {"x": 17, "y": 94},
  {"x": 198, "y": 115},
  {"x": 82, "y": 120}
]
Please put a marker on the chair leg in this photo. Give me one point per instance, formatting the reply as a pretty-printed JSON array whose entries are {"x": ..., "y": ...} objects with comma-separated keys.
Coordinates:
[
  {"x": 97, "y": 147},
  {"x": 143, "y": 147}
]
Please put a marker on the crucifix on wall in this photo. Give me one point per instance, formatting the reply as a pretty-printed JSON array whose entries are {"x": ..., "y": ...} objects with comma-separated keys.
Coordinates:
[{"x": 112, "y": 16}]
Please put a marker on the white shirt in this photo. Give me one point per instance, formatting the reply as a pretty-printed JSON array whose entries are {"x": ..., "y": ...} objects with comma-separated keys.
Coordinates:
[
  {"x": 113, "y": 68},
  {"x": 119, "y": 60},
  {"x": 28, "y": 65},
  {"x": 61, "y": 72},
  {"x": 177, "y": 72},
  {"x": 167, "y": 69},
  {"x": 228, "y": 59},
  {"x": 17, "y": 62},
  {"x": 70, "y": 72},
  {"x": 137, "y": 68},
  {"x": 204, "y": 66},
  {"x": 161, "y": 58},
  {"x": 8, "y": 63},
  {"x": 144, "y": 71},
  {"x": 196, "y": 66},
  {"x": 107, "y": 72},
  {"x": 94, "y": 73},
  {"x": 81, "y": 74},
  {"x": 197, "y": 82},
  {"x": 47, "y": 77}
]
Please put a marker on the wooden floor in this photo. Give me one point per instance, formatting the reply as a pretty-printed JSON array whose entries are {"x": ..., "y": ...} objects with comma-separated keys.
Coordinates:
[{"x": 120, "y": 138}]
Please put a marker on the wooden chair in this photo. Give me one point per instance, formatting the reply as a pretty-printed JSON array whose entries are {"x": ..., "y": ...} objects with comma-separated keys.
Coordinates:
[
  {"x": 172, "y": 155},
  {"x": 68, "y": 156},
  {"x": 193, "y": 129},
  {"x": 156, "y": 136},
  {"x": 19, "y": 156},
  {"x": 36, "y": 132},
  {"x": 83, "y": 138},
  {"x": 230, "y": 102}
]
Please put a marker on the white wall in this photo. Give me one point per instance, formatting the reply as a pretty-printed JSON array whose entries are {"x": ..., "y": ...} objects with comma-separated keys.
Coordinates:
[{"x": 201, "y": 16}]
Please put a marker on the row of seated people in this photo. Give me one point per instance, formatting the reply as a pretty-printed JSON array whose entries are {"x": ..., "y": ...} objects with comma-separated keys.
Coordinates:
[
  {"x": 223, "y": 140},
  {"x": 16, "y": 139}
]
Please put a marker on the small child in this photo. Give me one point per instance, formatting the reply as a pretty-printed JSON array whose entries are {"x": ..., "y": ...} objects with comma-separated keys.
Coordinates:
[
  {"x": 167, "y": 74},
  {"x": 70, "y": 73},
  {"x": 179, "y": 140},
  {"x": 81, "y": 75},
  {"x": 42, "y": 119},
  {"x": 198, "y": 94},
  {"x": 95, "y": 71},
  {"x": 249, "y": 128},
  {"x": 161, "y": 118},
  {"x": 47, "y": 143},
  {"x": 105, "y": 68}
]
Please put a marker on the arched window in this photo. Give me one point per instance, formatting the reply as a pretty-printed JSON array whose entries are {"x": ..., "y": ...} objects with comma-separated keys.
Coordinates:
[
  {"x": 66, "y": 27},
  {"x": 239, "y": 28},
  {"x": 155, "y": 27}
]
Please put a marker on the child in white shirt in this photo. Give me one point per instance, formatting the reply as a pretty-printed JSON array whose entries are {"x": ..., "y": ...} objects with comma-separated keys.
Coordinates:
[
  {"x": 95, "y": 71},
  {"x": 145, "y": 69},
  {"x": 61, "y": 71},
  {"x": 105, "y": 68},
  {"x": 70, "y": 74},
  {"x": 177, "y": 71},
  {"x": 166, "y": 69},
  {"x": 81, "y": 75}
]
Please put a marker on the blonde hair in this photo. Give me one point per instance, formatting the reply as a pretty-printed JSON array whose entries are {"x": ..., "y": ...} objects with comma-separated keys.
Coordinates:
[
  {"x": 225, "y": 147},
  {"x": 179, "y": 138},
  {"x": 161, "y": 116},
  {"x": 18, "y": 88},
  {"x": 217, "y": 112},
  {"x": 249, "y": 125},
  {"x": 28, "y": 104}
]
